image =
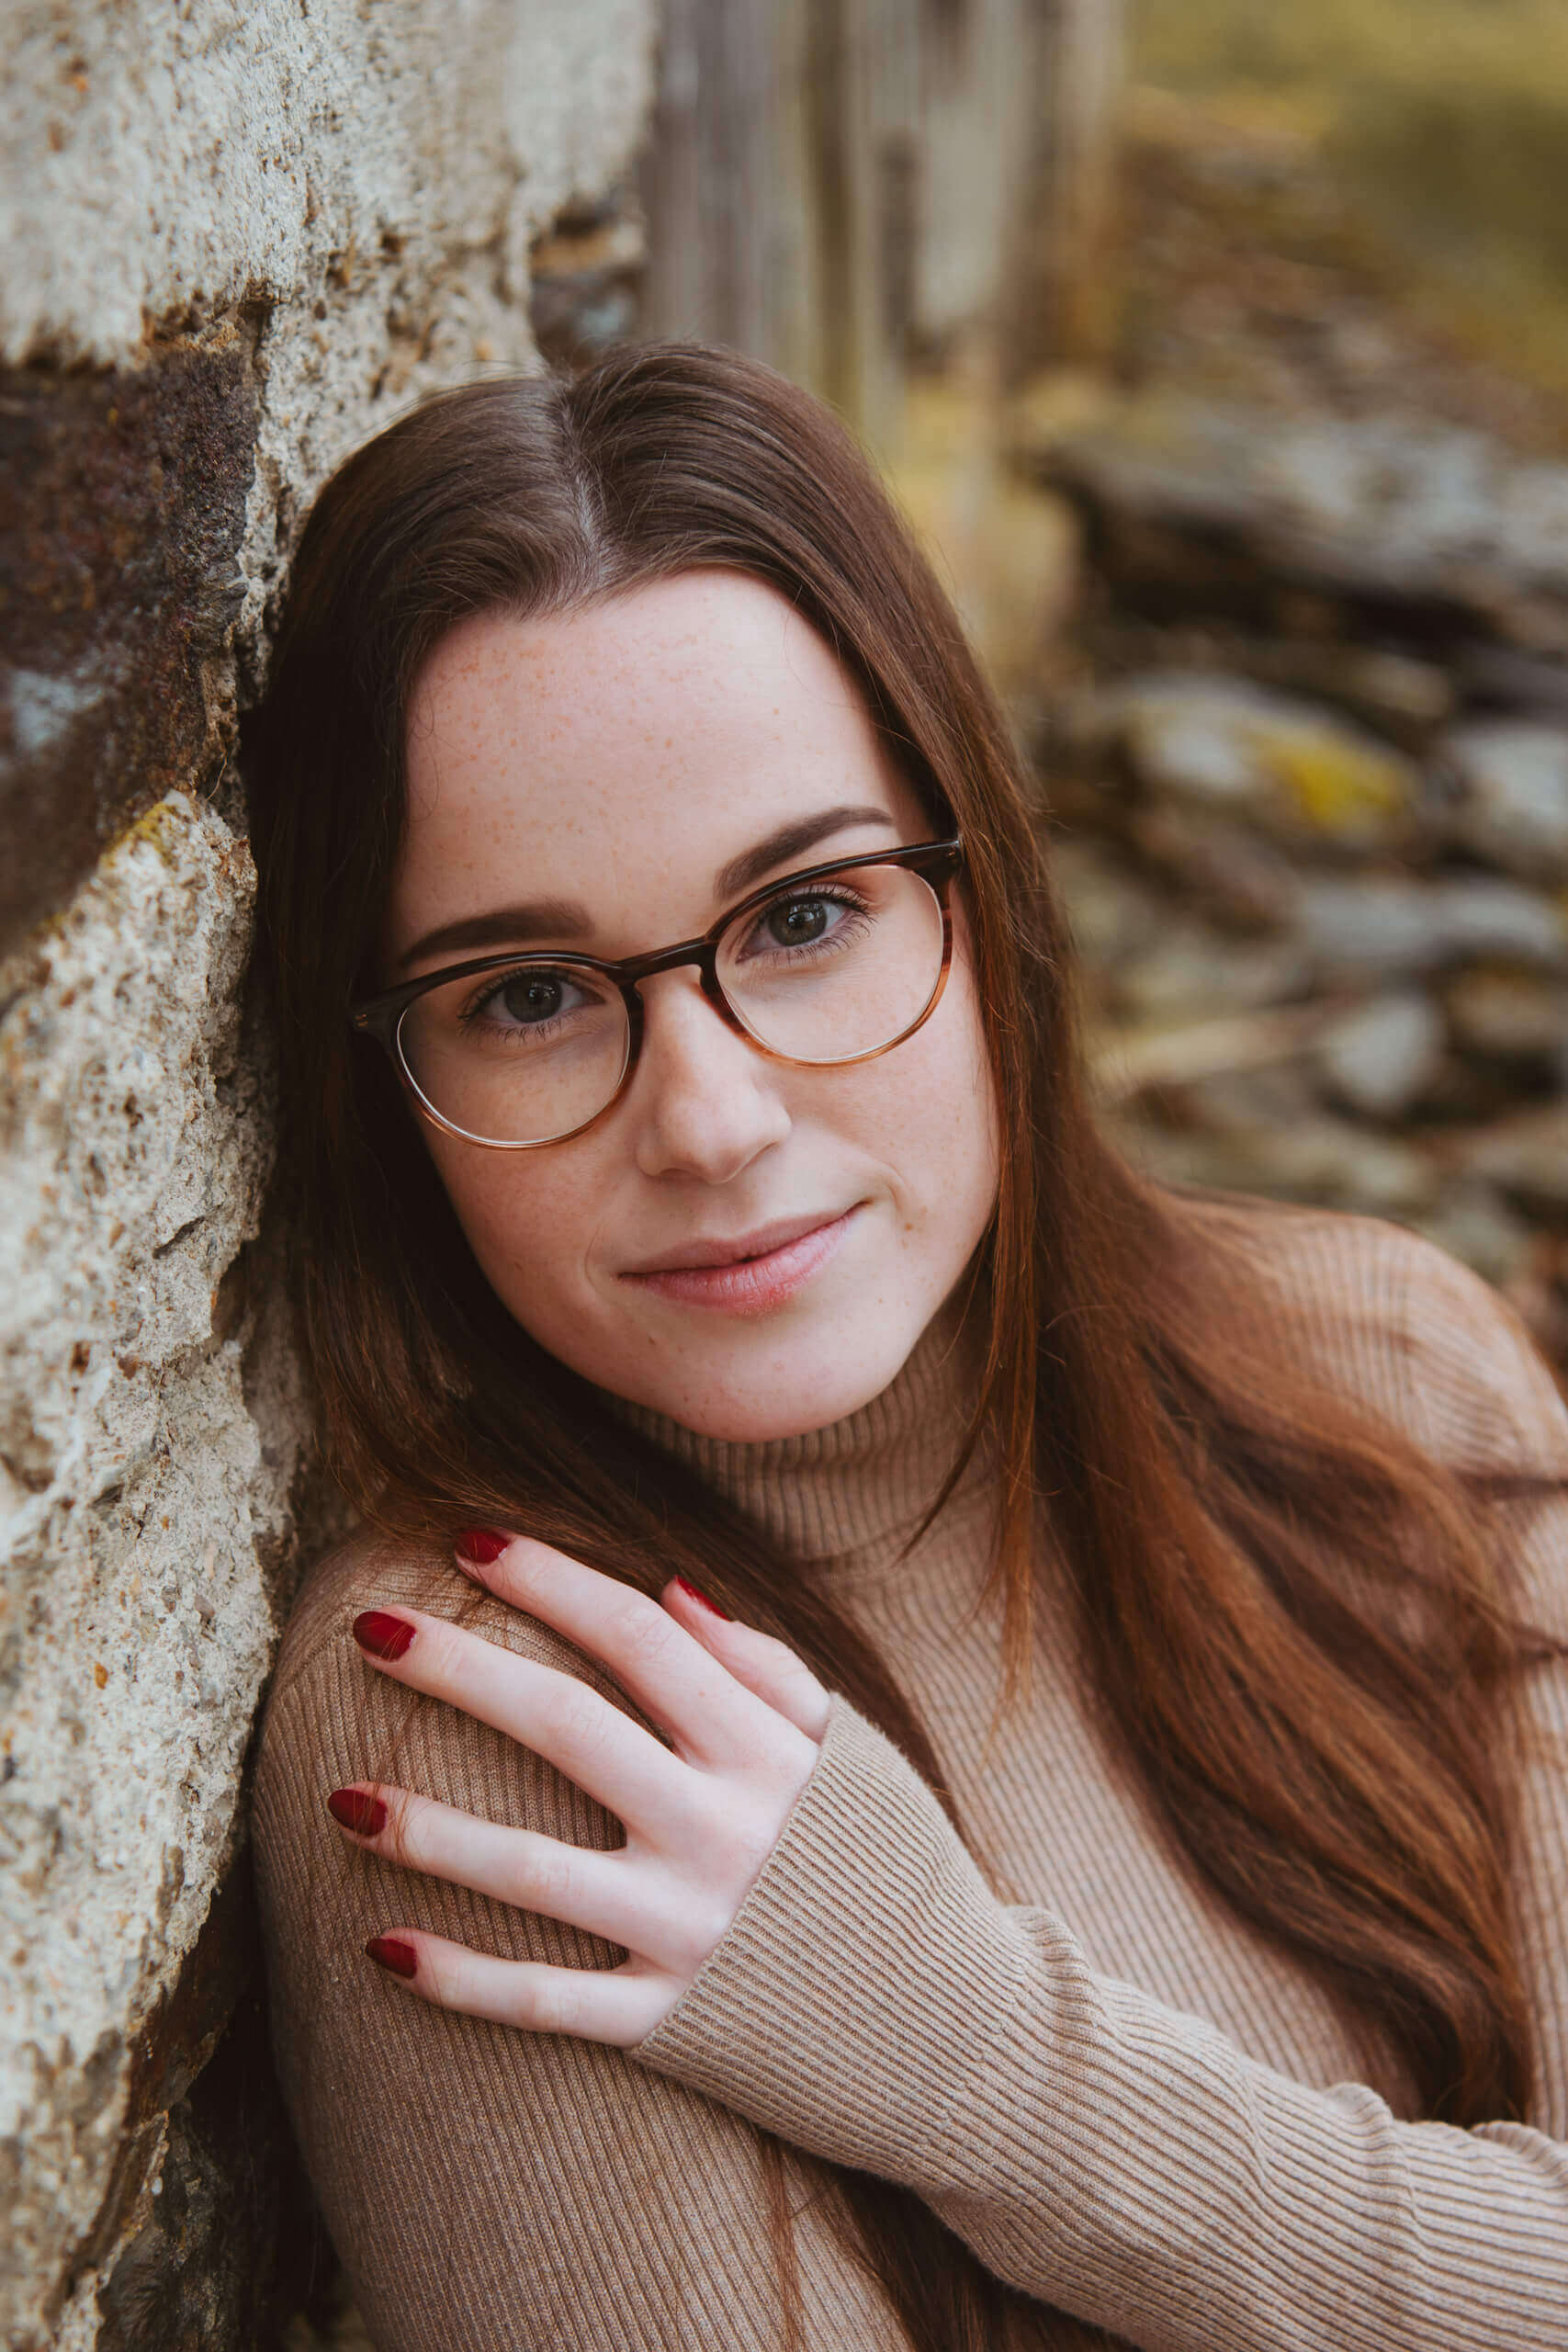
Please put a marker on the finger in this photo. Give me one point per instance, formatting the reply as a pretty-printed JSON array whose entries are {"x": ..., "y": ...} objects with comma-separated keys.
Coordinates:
[
  {"x": 583, "y": 1887},
  {"x": 618, "y": 2005},
  {"x": 677, "y": 1682},
  {"x": 765, "y": 1666},
  {"x": 594, "y": 1744}
]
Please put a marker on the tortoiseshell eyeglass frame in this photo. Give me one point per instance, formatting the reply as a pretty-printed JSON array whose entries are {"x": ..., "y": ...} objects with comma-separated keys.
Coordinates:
[{"x": 380, "y": 1016}]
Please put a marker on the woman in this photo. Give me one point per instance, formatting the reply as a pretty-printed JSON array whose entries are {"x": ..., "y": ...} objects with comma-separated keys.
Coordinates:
[{"x": 935, "y": 1746}]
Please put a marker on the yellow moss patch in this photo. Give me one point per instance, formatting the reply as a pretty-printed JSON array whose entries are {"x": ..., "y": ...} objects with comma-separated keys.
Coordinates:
[{"x": 1351, "y": 792}]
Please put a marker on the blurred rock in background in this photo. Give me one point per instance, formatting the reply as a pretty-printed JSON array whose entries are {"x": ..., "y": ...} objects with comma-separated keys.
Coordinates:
[
  {"x": 1303, "y": 724},
  {"x": 1313, "y": 801}
]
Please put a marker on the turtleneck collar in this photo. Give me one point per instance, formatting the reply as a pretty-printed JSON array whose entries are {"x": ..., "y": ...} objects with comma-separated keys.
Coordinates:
[{"x": 850, "y": 1495}]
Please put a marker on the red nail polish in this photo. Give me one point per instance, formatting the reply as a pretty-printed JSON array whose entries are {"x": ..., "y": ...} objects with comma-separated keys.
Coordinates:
[
  {"x": 367, "y": 1817},
  {"x": 702, "y": 1600},
  {"x": 390, "y": 1951},
  {"x": 381, "y": 1633},
  {"x": 481, "y": 1544}
]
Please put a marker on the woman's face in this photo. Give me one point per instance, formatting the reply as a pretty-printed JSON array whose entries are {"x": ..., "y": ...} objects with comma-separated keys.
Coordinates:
[{"x": 603, "y": 770}]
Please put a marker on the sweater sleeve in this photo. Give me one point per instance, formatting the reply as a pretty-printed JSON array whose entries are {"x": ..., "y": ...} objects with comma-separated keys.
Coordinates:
[
  {"x": 488, "y": 2190},
  {"x": 874, "y": 2003}
]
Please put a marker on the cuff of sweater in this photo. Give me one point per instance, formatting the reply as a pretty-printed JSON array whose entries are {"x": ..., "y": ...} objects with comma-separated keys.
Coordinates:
[{"x": 855, "y": 2003}]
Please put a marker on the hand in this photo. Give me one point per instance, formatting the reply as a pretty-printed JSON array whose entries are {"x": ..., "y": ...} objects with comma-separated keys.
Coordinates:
[{"x": 746, "y": 1719}]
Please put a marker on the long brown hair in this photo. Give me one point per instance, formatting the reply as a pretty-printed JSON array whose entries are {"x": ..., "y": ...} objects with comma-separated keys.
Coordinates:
[{"x": 1319, "y": 1744}]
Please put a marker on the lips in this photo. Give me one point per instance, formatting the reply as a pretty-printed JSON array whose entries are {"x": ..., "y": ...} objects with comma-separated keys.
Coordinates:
[
  {"x": 738, "y": 1248},
  {"x": 746, "y": 1273}
]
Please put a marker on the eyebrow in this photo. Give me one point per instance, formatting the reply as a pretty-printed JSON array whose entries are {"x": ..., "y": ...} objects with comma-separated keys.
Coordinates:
[
  {"x": 792, "y": 841},
  {"x": 504, "y": 927},
  {"x": 553, "y": 919}
]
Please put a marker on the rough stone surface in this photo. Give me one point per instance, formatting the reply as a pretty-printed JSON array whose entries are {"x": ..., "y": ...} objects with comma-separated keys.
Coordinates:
[
  {"x": 185, "y": 164},
  {"x": 122, "y": 518},
  {"x": 238, "y": 239},
  {"x": 140, "y": 1511}
]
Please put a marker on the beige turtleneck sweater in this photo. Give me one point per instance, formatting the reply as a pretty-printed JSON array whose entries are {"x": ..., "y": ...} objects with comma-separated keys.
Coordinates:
[{"x": 1117, "y": 2092}]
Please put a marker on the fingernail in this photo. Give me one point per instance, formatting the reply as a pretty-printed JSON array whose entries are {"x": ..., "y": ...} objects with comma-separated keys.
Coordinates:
[
  {"x": 481, "y": 1544},
  {"x": 381, "y": 1633},
  {"x": 702, "y": 1600},
  {"x": 367, "y": 1817},
  {"x": 390, "y": 1951}
]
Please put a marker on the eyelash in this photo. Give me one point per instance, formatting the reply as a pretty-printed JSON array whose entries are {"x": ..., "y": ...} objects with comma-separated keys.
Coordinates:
[
  {"x": 474, "y": 1012},
  {"x": 838, "y": 896},
  {"x": 832, "y": 895}
]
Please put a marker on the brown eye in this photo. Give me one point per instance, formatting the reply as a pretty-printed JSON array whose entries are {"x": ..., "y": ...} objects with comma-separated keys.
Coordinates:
[
  {"x": 532, "y": 996},
  {"x": 796, "y": 922}
]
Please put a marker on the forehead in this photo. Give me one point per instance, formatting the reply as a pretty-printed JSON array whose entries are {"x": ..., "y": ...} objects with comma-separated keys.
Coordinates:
[{"x": 675, "y": 722}]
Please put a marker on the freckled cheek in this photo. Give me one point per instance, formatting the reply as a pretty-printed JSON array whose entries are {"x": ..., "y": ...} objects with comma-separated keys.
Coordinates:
[
  {"x": 926, "y": 1112},
  {"x": 529, "y": 1225}
]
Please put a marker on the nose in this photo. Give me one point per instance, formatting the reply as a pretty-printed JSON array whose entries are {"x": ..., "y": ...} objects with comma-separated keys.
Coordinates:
[{"x": 704, "y": 1102}]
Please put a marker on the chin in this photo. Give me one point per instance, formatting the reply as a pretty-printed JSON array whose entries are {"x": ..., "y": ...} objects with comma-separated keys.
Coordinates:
[{"x": 777, "y": 1404}]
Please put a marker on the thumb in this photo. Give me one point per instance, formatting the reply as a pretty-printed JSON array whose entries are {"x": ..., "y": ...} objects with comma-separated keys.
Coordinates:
[{"x": 768, "y": 1667}]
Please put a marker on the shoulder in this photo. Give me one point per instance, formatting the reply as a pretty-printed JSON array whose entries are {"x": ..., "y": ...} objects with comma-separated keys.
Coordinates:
[
  {"x": 330, "y": 1718},
  {"x": 373, "y": 1570},
  {"x": 1389, "y": 1317}
]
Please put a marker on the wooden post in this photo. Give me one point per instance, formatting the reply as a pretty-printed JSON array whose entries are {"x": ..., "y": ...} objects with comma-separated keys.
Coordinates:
[
  {"x": 761, "y": 189},
  {"x": 837, "y": 186},
  {"x": 1063, "y": 225}
]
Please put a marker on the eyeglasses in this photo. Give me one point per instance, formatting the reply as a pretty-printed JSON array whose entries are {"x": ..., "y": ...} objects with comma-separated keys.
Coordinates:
[{"x": 836, "y": 964}]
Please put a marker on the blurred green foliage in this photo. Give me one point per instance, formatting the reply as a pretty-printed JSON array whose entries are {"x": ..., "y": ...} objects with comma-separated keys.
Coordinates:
[
  {"x": 1445, "y": 120},
  {"x": 1409, "y": 44}
]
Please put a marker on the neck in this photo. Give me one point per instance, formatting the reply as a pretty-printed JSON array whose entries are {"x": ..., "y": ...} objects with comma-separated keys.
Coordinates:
[{"x": 851, "y": 1496}]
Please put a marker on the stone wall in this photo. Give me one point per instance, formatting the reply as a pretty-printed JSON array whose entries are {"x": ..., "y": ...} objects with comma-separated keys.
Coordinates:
[{"x": 238, "y": 238}]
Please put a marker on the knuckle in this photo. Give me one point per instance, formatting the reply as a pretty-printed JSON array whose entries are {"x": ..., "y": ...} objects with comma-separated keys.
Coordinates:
[
  {"x": 582, "y": 1717},
  {"x": 788, "y": 1662},
  {"x": 523, "y": 1564},
  {"x": 400, "y": 1836},
  {"x": 750, "y": 1838},
  {"x": 556, "y": 2007},
  {"x": 705, "y": 1929},
  {"x": 444, "y": 1647},
  {"x": 435, "y": 1979},
  {"x": 751, "y": 1848},
  {"x": 547, "y": 1880},
  {"x": 641, "y": 1628}
]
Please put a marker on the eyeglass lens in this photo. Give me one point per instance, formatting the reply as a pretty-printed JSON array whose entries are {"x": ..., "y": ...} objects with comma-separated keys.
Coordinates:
[{"x": 828, "y": 972}]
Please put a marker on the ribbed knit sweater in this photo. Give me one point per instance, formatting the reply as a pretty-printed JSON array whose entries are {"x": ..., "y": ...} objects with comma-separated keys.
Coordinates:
[{"x": 1128, "y": 2102}]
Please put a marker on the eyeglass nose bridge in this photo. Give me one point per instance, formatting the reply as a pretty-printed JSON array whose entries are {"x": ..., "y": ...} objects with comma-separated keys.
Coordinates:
[{"x": 703, "y": 953}]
